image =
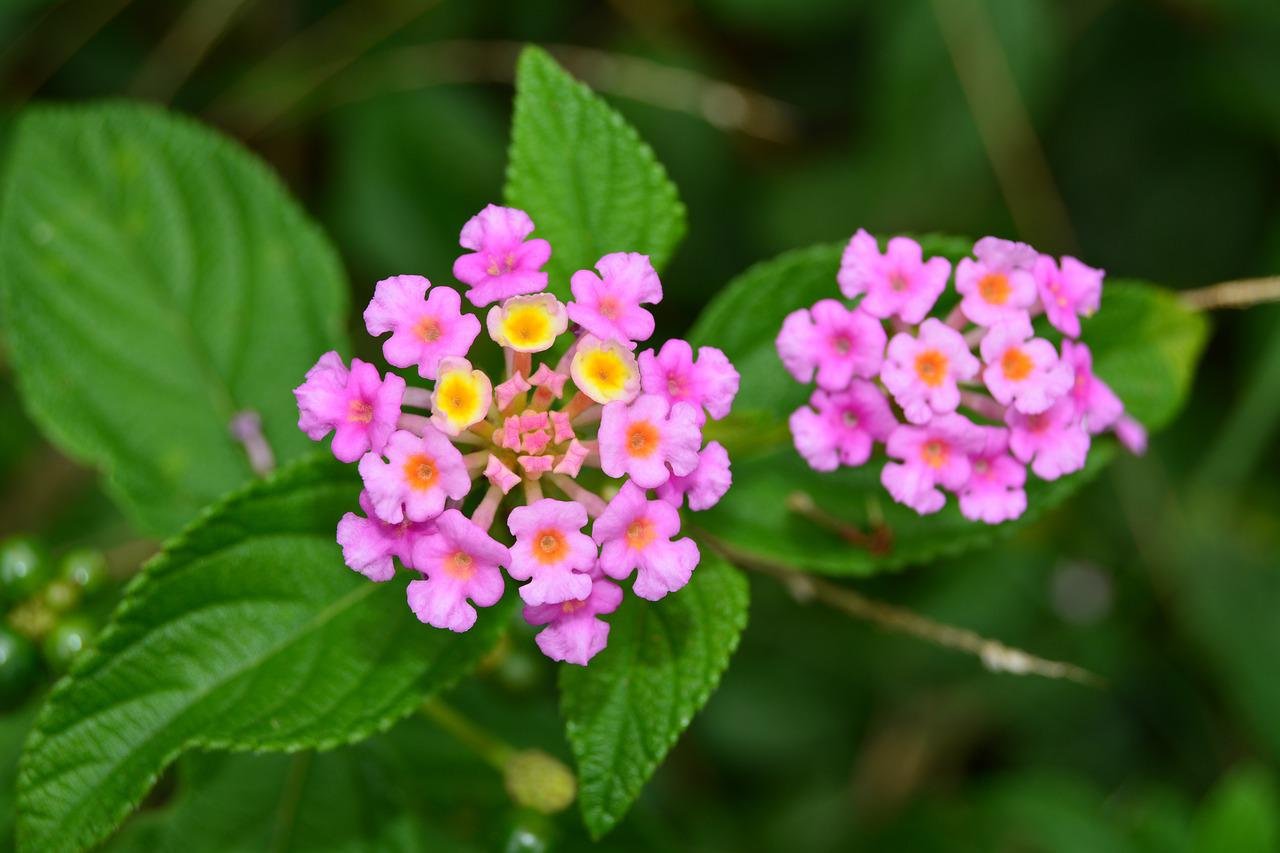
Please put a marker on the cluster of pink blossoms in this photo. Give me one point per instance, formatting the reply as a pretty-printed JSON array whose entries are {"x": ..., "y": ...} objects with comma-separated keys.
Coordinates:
[
  {"x": 600, "y": 414},
  {"x": 964, "y": 403}
]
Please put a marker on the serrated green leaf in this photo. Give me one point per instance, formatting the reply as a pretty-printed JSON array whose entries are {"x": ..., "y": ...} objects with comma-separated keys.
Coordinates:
[
  {"x": 584, "y": 175},
  {"x": 1145, "y": 344},
  {"x": 157, "y": 279},
  {"x": 627, "y": 709},
  {"x": 247, "y": 632}
]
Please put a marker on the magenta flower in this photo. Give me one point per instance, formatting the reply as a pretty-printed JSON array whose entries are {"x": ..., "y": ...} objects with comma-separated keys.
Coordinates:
[
  {"x": 994, "y": 491},
  {"x": 635, "y": 535},
  {"x": 921, "y": 373},
  {"x": 642, "y": 438},
  {"x": 705, "y": 485},
  {"x": 459, "y": 562},
  {"x": 832, "y": 341},
  {"x": 1067, "y": 291},
  {"x": 423, "y": 330},
  {"x": 359, "y": 406},
  {"x": 708, "y": 383},
  {"x": 842, "y": 427},
  {"x": 1054, "y": 441},
  {"x": 608, "y": 305},
  {"x": 368, "y": 543},
  {"x": 995, "y": 290},
  {"x": 933, "y": 455},
  {"x": 419, "y": 473},
  {"x": 574, "y": 633},
  {"x": 1023, "y": 371},
  {"x": 503, "y": 262},
  {"x": 1132, "y": 435},
  {"x": 995, "y": 253},
  {"x": 551, "y": 552},
  {"x": 899, "y": 282},
  {"x": 1096, "y": 403}
]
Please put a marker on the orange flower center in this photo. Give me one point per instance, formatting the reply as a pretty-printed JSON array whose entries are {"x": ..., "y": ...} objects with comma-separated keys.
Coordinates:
[
  {"x": 934, "y": 453},
  {"x": 1016, "y": 364},
  {"x": 420, "y": 472},
  {"x": 931, "y": 367},
  {"x": 461, "y": 566},
  {"x": 639, "y": 534},
  {"x": 642, "y": 439},
  {"x": 994, "y": 288},
  {"x": 427, "y": 330},
  {"x": 549, "y": 546},
  {"x": 360, "y": 412},
  {"x": 571, "y": 606}
]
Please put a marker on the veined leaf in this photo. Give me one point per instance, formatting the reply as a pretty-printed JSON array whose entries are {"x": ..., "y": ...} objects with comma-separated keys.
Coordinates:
[
  {"x": 247, "y": 632},
  {"x": 584, "y": 175},
  {"x": 157, "y": 280}
]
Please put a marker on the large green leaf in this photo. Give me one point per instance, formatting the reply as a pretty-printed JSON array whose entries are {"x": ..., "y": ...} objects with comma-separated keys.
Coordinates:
[
  {"x": 247, "y": 632},
  {"x": 157, "y": 280},
  {"x": 1145, "y": 345},
  {"x": 626, "y": 710},
  {"x": 584, "y": 175}
]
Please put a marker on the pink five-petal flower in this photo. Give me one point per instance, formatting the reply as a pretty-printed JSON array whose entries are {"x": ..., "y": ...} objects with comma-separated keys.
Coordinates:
[
  {"x": 841, "y": 428},
  {"x": 705, "y": 485},
  {"x": 921, "y": 372},
  {"x": 995, "y": 253},
  {"x": 358, "y": 405},
  {"x": 642, "y": 438},
  {"x": 1067, "y": 291},
  {"x": 369, "y": 543},
  {"x": 424, "y": 329},
  {"x": 1095, "y": 401},
  {"x": 635, "y": 535},
  {"x": 710, "y": 382},
  {"x": 1021, "y": 370},
  {"x": 551, "y": 551},
  {"x": 502, "y": 263},
  {"x": 897, "y": 282},
  {"x": 574, "y": 633},
  {"x": 459, "y": 562},
  {"x": 419, "y": 473},
  {"x": 832, "y": 341},
  {"x": 994, "y": 491},
  {"x": 608, "y": 305},
  {"x": 994, "y": 290},
  {"x": 1054, "y": 441},
  {"x": 933, "y": 455}
]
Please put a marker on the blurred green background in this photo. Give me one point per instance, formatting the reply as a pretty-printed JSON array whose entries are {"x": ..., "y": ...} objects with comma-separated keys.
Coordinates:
[{"x": 1142, "y": 136}]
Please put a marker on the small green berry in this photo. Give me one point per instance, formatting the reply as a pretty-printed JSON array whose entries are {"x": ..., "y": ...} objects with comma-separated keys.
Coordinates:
[
  {"x": 67, "y": 639},
  {"x": 19, "y": 668},
  {"x": 24, "y": 569},
  {"x": 61, "y": 596},
  {"x": 86, "y": 568},
  {"x": 539, "y": 781}
]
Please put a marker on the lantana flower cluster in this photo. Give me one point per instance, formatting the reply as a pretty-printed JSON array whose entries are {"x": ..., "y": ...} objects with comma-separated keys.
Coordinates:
[
  {"x": 581, "y": 465},
  {"x": 964, "y": 403}
]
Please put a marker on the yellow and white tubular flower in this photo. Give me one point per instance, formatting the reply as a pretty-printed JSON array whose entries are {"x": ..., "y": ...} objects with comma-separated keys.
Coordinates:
[
  {"x": 528, "y": 323},
  {"x": 461, "y": 398},
  {"x": 605, "y": 371}
]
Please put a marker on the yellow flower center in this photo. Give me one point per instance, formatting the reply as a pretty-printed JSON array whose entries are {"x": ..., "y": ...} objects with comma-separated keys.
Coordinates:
[
  {"x": 642, "y": 439},
  {"x": 549, "y": 546},
  {"x": 931, "y": 367},
  {"x": 605, "y": 373},
  {"x": 460, "y": 565},
  {"x": 639, "y": 534},
  {"x": 934, "y": 453},
  {"x": 528, "y": 327},
  {"x": 1016, "y": 364},
  {"x": 420, "y": 472}
]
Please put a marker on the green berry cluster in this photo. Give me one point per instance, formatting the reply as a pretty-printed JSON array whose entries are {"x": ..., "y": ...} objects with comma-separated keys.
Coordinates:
[{"x": 44, "y": 626}]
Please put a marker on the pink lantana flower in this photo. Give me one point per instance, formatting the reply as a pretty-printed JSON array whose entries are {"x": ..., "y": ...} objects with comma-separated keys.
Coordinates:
[
  {"x": 1068, "y": 291},
  {"x": 368, "y": 543},
  {"x": 635, "y": 535},
  {"x": 832, "y": 341},
  {"x": 1132, "y": 435},
  {"x": 708, "y": 383},
  {"x": 424, "y": 329},
  {"x": 921, "y": 372},
  {"x": 575, "y": 633},
  {"x": 643, "y": 438},
  {"x": 998, "y": 288},
  {"x": 933, "y": 455},
  {"x": 1023, "y": 371},
  {"x": 551, "y": 551},
  {"x": 841, "y": 428},
  {"x": 459, "y": 562},
  {"x": 996, "y": 253},
  {"x": 608, "y": 305},
  {"x": 358, "y": 405},
  {"x": 897, "y": 283},
  {"x": 1096, "y": 403},
  {"x": 503, "y": 262},
  {"x": 418, "y": 474},
  {"x": 994, "y": 491},
  {"x": 1054, "y": 441},
  {"x": 705, "y": 485}
]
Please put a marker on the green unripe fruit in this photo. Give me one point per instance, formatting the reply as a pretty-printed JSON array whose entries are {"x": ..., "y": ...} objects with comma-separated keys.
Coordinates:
[
  {"x": 61, "y": 596},
  {"x": 24, "y": 569},
  {"x": 539, "y": 781},
  {"x": 19, "y": 668},
  {"x": 67, "y": 639},
  {"x": 86, "y": 568}
]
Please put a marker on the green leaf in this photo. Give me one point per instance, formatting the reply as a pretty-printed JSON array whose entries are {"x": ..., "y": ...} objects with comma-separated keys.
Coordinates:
[
  {"x": 1145, "y": 344},
  {"x": 1241, "y": 814},
  {"x": 247, "y": 632},
  {"x": 157, "y": 280},
  {"x": 626, "y": 710},
  {"x": 584, "y": 175}
]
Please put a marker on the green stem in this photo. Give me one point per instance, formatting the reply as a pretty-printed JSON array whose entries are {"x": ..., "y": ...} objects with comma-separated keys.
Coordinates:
[{"x": 495, "y": 751}]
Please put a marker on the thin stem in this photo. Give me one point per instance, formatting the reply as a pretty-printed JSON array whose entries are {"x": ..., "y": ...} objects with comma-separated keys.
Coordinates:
[
  {"x": 495, "y": 751},
  {"x": 878, "y": 541},
  {"x": 532, "y": 491},
  {"x": 488, "y": 509},
  {"x": 578, "y": 405},
  {"x": 996, "y": 656},
  {"x": 1241, "y": 293},
  {"x": 200, "y": 26},
  {"x": 413, "y": 423}
]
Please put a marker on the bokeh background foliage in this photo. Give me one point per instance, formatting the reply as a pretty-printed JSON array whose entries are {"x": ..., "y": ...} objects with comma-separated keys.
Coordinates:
[{"x": 1142, "y": 136}]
